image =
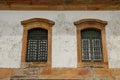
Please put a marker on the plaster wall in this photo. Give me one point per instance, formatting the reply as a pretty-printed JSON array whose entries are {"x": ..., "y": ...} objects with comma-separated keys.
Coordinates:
[{"x": 64, "y": 42}]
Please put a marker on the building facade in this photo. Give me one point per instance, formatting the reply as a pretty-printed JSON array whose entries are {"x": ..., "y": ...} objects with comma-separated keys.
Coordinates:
[{"x": 64, "y": 46}]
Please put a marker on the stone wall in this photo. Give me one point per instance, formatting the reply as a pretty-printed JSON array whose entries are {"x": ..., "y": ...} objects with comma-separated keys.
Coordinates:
[{"x": 64, "y": 44}]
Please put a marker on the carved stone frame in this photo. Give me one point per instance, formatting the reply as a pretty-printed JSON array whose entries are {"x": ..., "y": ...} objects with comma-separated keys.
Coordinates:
[
  {"x": 95, "y": 24},
  {"x": 37, "y": 23}
]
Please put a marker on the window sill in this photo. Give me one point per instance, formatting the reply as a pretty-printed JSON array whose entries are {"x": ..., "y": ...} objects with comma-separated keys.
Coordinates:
[
  {"x": 93, "y": 64},
  {"x": 38, "y": 64},
  {"x": 34, "y": 64}
]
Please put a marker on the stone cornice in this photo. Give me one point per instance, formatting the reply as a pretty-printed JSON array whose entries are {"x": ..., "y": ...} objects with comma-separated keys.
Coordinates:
[
  {"x": 90, "y": 21},
  {"x": 37, "y": 20}
]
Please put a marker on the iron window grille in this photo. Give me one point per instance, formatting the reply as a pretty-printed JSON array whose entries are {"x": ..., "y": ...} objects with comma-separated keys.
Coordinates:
[{"x": 37, "y": 45}]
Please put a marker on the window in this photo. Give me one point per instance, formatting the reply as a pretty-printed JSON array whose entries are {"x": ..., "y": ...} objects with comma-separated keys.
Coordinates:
[
  {"x": 37, "y": 45},
  {"x": 37, "y": 35},
  {"x": 91, "y": 43}
]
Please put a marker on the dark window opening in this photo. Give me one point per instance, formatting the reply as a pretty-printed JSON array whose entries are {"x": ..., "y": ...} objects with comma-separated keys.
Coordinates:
[
  {"x": 91, "y": 45},
  {"x": 37, "y": 45}
]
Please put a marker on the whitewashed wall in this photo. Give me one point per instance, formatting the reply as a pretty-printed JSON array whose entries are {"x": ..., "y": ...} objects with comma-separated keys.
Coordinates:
[{"x": 64, "y": 44}]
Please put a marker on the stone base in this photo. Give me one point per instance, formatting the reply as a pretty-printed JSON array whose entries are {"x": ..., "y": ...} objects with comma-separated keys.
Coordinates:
[
  {"x": 66, "y": 73},
  {"x": 37, "y": 73},
  {"x": 5, "y": 73}
]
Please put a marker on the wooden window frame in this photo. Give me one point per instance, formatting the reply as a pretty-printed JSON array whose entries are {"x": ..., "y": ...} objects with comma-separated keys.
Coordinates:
[
  {"x": 37, "y": 23},
  {"x": 94, "y": 24}
]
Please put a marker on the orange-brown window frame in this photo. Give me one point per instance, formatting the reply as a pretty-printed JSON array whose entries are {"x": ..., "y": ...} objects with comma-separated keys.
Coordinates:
[
  {"x": 91, "y": 24},
  {"x": 37, "y": 23}
]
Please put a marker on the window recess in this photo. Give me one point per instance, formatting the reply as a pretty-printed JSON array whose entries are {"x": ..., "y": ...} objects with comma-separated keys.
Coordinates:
[
  {"x": 91, "y": 43},
  {"x": 37, "y": 42}
]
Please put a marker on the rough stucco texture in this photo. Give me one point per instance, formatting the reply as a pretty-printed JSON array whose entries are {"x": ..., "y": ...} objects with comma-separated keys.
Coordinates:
[{"x": 64, "y": 44}]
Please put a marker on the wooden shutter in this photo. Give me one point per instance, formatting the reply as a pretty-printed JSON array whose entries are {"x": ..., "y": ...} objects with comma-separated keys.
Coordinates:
[
  {"x": 86, "y": 55},
  {"x": 97, "y": 54},
  {"x": 37, "y": 46}
]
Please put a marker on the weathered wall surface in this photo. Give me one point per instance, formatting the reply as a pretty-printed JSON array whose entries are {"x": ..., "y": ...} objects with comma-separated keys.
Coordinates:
[{"x": 64, "y": 44}]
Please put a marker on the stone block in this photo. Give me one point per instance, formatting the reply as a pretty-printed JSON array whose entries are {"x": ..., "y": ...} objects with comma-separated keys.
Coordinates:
[
  {"x": 101, "y": 72},
  {"x": 24, "y": 65},
  {"x": 5, "y": 73},
  {"x": 116, "y": 72}
]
